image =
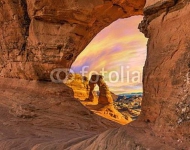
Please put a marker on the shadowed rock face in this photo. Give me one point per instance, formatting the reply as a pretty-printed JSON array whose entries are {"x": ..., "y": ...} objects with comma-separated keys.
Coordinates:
[
  {"x": 37, "y": 36},
  {"x": 105, "y": 97}
]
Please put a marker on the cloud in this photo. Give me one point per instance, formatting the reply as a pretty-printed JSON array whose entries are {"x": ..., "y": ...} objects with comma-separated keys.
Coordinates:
[{"x": 120, "y": 44}]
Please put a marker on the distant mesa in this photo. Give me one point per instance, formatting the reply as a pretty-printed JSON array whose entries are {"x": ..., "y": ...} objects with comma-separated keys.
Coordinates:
[
  {"x": 129, "y": 105},
  {"x": 129, "y": 95}
]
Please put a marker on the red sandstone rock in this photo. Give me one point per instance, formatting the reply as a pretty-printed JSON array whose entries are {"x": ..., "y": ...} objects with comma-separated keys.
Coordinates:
[
  {"x": 166, "y": 101},
  {"x": 79, "y": 86},
  {"x": 101, "y": 104},
  {"x": 35, "y": 112},
  {"x": 37, "y": 36},
  {"x": 105, "y": 97}
]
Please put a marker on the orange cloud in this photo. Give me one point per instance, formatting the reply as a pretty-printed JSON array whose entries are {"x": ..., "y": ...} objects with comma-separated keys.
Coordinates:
[{"x": 119, "y": 45}]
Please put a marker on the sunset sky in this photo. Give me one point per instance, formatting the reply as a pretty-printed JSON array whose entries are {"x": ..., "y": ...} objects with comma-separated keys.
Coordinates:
[{"x": 121, "y": 48}]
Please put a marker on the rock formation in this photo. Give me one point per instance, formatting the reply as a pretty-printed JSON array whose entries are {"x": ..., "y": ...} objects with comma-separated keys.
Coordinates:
[
  {"x": 101, "y": 104},
  {"x": 166, "y": 101},
  {"x": 35, "y": 112},
  {"x": 129, "y": 107},
  {"x": 79, "y": 85},
  {"x": 165, "y": 113},
  {"x": 105, "y": 97},
  {"x": 92, "y": 86},
  {"x": 38, "y": 36},
  {"x": 104, "y": 106}
]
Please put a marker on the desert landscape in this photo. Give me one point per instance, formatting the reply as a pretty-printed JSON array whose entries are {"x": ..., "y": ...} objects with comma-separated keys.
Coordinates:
[{"x": 42, "y": 111}]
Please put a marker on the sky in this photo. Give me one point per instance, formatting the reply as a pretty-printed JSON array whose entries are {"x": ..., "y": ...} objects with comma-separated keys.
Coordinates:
[{"x": 118, "y": 52}]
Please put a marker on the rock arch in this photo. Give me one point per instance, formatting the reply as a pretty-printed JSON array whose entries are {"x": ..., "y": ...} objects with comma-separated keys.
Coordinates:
[
  {"x": 105, "y": 97},
  {"x": 37, "y": 36}
]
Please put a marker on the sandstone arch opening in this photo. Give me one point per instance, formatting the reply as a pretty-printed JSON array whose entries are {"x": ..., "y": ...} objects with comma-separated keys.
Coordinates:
[
  {"x": 117, "y": 53},
  {"x": 39, "y": 36}
]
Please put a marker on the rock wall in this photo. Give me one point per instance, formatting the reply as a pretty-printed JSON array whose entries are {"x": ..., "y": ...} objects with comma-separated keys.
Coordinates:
[
  {"x": 166, "y": 83},
  {"x": 166, "y": 101},
  {"x": 38, "y": 36}
]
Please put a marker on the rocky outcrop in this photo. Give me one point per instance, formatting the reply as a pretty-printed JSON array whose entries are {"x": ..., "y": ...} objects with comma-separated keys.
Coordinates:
[
  {"x": 104, "y": 106},
  {"x": 166, "y": 72},
  {"x": 101, "y": 104},
  {"x": 165, "y": 105},
  {"x": 129, "y": 107},
  {"x": 105, "y": 97},
  {"x": 79, "y": 85},
  {"x": 91, "y": 96},
  {"x": 38, "y": 36}
]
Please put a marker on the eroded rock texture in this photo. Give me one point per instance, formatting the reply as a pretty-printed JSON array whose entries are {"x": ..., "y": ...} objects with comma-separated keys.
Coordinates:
[
  {"x": 37, "y": 36},
  {"x": 34, "y": 112},
  {"x": 166, "y": 105},
  {"x": 166, "y": 100}
]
